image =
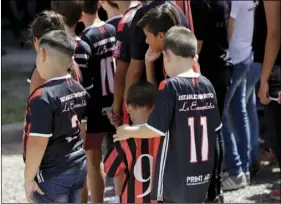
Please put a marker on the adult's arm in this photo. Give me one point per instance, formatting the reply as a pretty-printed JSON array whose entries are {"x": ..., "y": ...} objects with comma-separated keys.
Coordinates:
[{"x": 272, "y": 44}]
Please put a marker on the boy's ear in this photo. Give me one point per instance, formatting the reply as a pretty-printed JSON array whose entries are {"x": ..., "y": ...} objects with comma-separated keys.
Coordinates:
[
  {"x": 161, "y": 35},
  {"x": 43, "y": 54},
  {"x": 167, "y": 55},
  {"x": 128, "y": 108}
]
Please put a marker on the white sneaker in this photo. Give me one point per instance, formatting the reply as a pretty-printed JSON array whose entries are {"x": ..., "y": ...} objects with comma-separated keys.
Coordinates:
[
  {"x": 231, "y": 182},
  {"x": 116, "y": 199}
]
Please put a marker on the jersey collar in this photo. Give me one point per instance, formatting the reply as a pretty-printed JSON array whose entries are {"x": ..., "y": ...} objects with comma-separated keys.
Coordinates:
[
  {"x": 113, "y": 18},
  {"x": 59, "y": 78},
  {"x": 98, "y": 24}
]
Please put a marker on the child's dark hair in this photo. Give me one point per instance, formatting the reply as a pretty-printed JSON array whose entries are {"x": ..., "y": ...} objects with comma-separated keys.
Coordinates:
[
  {"x": 160, "y": 19},
  {"x": 44, "y": 22},
  {"x": 91, "y": 6},
  {"x": 71, "y": 10},
  {"x": 60, "y": 41},
  {"x": 142, "y": 94},
  {"x": 180, "y": 41}
]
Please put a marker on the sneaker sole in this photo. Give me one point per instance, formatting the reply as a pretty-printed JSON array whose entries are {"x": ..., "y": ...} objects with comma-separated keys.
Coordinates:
[{"x": 234, "y": 188}]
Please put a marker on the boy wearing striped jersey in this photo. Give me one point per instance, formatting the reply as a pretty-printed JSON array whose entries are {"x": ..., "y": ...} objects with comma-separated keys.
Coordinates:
[
  {"x": 187, "y": 118},
  {"x": 135, "y": 157}
]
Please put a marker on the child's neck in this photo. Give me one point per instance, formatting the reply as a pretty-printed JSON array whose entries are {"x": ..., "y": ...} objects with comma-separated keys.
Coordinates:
[
  {"x": 55, "y": 75},
  {"x": 126, "y": 5},
  {"x": 91, "y": 20},
  {"x": 112, "y": 13},
  {"x": 71, "y": 30},
  {"x": 184, "y": 68}
]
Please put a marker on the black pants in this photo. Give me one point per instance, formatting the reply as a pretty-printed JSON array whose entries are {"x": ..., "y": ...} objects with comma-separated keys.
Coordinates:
[
  {"x": 273, "y": 118},
  {"x": 220, "y": 77}
]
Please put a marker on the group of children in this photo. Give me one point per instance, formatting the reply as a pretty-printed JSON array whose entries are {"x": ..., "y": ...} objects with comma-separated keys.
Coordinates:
[{"x": 163, "y": 152}]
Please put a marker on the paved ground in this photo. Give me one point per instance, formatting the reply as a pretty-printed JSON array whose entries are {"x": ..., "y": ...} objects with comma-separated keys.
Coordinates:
[{"x": 12, "y": 181}]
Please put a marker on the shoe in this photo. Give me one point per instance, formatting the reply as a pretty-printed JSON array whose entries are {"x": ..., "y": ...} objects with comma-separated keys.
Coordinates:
[
  {"x": 255, "y": 168},
  {"x": 221, "y": 197},
  {"x": 231, "y": 182},
  {"x": 248, "y": 178},
  {"x": 116, "y": 199},
  {"x": 275, "y": 194}
]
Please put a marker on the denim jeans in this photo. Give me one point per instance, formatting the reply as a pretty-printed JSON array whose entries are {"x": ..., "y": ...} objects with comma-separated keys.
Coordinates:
[
  {"x": 239, "y": 112},
  {"x": 65, "y": 188}
]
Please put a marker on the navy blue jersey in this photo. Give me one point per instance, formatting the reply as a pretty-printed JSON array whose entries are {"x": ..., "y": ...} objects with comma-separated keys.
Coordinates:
[
  {"x": 187, "y": 117},
  {"x": 123, "y": 36},
  {"x": 114, "y": 21},
  {"x": 55, "y": 110},
  {"x": 101, "y": 39}
]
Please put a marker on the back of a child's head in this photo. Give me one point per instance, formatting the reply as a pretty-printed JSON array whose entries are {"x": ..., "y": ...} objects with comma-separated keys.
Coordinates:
[
  {"x": 181, "y": 42},
  {"x": 44, "y": 22},
  {"x": 91, "y": 6},
  {"x": 71, "y": 10},
  {"x": 160, "y": 19},
  {"x": 58, "y": 45},
  {"x": 141, "y": 94}
]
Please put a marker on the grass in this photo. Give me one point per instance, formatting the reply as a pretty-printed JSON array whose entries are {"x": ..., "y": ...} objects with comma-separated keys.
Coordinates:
[{"x": 14, "y": 94}]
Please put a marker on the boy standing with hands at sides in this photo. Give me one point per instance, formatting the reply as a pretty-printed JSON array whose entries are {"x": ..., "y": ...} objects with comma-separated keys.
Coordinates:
[
  {"x": 52, "y": 142},
  {"x": 186, "y": 116},
  {"x": 135, "y": 156}
]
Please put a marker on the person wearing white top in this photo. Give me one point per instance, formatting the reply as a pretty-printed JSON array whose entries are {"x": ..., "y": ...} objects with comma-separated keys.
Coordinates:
[{"x": 237, "y": 115}]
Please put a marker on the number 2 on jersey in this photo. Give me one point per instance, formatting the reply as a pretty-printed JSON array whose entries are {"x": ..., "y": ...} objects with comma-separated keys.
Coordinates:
[
  {"x": 108, "y": 69},
  {"x": 204, "y": 144}
]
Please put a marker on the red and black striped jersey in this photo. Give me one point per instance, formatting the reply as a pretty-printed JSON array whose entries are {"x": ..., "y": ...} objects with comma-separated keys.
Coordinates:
[
  {"x": 54, "y": 110},
  {"x": 136, "y": 157}
]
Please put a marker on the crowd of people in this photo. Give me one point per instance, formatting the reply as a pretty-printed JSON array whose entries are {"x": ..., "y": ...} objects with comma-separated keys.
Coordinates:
[{"x": 169, "y": 88}]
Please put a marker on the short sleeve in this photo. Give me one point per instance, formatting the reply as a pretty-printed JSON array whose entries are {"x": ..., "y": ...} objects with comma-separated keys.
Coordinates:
[
  {"x": 162, "y": 114},
  {"x": 200, "y": 15},
  {"x": 41, "y": 118},
  {"x": 138, "y": 47},
  {"x": 235, "y": 7},
  {"x": 83, "y": 57},
  {"x": 122, "y": 48}
]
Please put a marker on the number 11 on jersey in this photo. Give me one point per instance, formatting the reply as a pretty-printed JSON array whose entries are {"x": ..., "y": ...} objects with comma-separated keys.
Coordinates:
[
  {"x": 108, "y": 69},
  {"x": 204, "y": 139}
]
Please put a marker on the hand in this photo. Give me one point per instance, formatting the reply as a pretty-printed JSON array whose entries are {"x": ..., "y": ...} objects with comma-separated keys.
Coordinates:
[
  {"x": 279, "y": 97},
  {"x": 31, "y": 187},
  {"x": 152, "y": 56},
  {"x": 122, "y": 133},
  {"x": 114, "y": 118},
  {"x": 263, "y": 93}
]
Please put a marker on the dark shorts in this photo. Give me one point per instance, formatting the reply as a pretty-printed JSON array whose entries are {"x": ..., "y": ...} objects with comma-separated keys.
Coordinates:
[
  {"x": 94, "y": 140},
  {"x": 64, "y": 188}
]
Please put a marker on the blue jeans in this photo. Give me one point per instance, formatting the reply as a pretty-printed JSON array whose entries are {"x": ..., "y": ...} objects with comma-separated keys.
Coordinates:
[
  {"x": 65, "y": 188},
  {"x": 239, "y": 112}
]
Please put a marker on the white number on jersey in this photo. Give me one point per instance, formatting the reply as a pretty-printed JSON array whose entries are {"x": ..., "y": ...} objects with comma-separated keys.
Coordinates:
[
  {"x": 205, "y": 143},
  {"x": 108, "y": 69},
  {"x": 74, "y": 121},
  {"x": 138, "y": 173}
]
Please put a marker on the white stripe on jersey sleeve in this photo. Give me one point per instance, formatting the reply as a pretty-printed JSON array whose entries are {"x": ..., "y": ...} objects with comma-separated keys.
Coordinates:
[
  {"x": 89, "y": 87},
  {"x": 155, "y": 130},
  {"x": 40, "y": 135},
  {"x": 83, "y": 121}
]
